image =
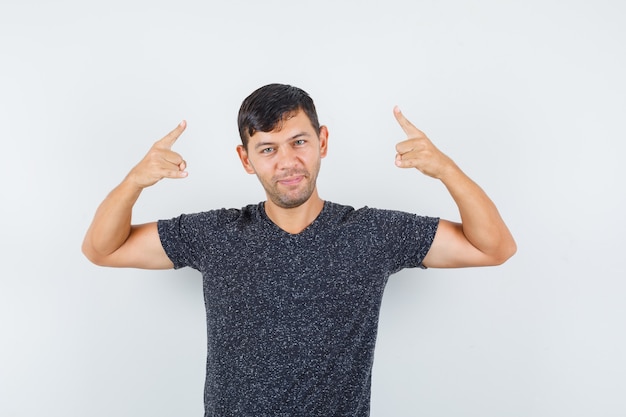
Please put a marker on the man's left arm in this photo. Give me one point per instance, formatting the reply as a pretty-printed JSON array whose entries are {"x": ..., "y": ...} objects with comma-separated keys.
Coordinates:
[{"x": 482, "y": 238}]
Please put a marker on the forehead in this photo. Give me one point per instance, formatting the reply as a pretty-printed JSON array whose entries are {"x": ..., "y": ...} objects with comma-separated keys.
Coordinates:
[{"x": 292, "y": 124}]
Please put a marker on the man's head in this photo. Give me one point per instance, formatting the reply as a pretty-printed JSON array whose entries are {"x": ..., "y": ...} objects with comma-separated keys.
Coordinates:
[
  {"x": 266, "y": 108},
  {"x": 282, "y": 143}
]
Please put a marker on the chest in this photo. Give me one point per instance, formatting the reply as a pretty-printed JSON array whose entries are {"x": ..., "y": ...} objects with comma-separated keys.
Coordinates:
[{"x": 292, "y": 277}]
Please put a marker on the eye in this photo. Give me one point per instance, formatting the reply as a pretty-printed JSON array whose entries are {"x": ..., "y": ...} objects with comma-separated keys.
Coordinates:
[
  {"x": 267, "y": 150},
  {"x": 299, "y": 142}
]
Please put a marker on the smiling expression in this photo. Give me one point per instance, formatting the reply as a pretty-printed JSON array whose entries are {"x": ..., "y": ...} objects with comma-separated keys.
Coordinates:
[{"x": 286, "y": 160}]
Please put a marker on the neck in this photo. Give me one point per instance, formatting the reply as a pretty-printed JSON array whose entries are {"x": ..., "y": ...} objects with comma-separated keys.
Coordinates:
[{"x": 296, "y": 219}]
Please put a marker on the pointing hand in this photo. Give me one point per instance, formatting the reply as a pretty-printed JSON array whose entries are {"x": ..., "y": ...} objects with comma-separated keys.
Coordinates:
[
  {"x": 160, "y": 161},
  {"x": 417, "y": 151}
]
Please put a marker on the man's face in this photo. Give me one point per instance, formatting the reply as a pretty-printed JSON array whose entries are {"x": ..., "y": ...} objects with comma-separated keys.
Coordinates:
[{"x": 287, "y": 159}]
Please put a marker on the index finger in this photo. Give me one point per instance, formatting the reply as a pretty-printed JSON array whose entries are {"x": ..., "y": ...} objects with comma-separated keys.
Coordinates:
[
  {"x": 168, "y": 140},
  {"x": 407, "y": 126}
]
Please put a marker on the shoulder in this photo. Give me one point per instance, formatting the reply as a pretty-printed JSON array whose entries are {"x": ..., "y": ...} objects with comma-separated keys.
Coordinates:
[
  {"x": 349, "y": 213},
  {"x": 346, "y": 213},
  {"x": 378, "y": 218},
  {"x": 211, "y": 219}
]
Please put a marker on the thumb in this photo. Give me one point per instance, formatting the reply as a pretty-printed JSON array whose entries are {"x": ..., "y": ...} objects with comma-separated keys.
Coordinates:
[
  {"x": 404, "y": 123},
  {"x": 168, "y": 140}
]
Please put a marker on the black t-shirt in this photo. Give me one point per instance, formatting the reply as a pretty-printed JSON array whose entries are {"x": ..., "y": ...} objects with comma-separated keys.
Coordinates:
[{"x": 292, "y": 318}]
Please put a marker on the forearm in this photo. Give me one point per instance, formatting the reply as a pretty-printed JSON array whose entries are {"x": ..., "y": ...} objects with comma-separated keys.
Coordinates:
[
  {"x": 481, "y": 238},
  {"x": 481, "y": 222},
  {"x": 111, "y": 224}
]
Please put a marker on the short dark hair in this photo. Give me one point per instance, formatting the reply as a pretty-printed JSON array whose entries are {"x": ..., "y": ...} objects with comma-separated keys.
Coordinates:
[{"x": 266, "y": 107}]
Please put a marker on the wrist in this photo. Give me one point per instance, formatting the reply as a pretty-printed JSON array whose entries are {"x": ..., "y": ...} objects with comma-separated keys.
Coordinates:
[
  {"x": 131, "y": 185},
  {"x": 450, "y": 172}
]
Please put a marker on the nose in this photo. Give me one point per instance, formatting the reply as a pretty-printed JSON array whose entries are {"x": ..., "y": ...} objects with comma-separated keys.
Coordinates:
[{"x": 288, "y": 157}]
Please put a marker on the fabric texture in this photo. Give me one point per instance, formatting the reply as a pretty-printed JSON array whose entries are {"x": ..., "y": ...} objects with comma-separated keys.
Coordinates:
[{"x": 292, "y": 318}]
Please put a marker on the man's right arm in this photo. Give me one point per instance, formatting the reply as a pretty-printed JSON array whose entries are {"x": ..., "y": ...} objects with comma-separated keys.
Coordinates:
[{"x": 111, "y": 239}]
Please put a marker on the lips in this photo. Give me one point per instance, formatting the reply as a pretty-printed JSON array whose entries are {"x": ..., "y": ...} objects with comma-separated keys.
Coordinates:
[
  {"x": 292, "y": 180},
  {"x": 292, "y": 177}
]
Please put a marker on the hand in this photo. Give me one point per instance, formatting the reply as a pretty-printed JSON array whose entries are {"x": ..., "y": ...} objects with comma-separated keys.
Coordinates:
[
  {"x": 417, "y": 151},
  {"x": 160, "y": 161}
]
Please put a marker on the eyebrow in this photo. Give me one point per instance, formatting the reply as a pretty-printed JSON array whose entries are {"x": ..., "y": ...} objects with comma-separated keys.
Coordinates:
[{"x": 296, "y": 136}]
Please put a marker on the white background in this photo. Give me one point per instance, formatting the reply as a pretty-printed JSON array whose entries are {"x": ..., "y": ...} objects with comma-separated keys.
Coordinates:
[{"x": 528, "y": 97}]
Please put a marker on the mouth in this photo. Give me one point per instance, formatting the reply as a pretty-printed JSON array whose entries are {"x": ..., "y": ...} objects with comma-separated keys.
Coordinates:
[{"x": 292, "y": 180}]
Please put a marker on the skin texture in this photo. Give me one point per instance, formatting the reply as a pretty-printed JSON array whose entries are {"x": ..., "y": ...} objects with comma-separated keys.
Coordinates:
[{"x": 287, "y": 161}]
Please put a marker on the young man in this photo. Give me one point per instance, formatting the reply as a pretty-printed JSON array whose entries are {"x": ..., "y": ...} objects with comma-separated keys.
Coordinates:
[{"x": 293, "y": 285}]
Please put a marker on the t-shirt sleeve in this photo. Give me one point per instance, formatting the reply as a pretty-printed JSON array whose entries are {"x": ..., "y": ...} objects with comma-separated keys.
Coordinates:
[
  {"x": 424, "y": 230},
  {"x": 406, "y": 237},
  {"x": 179, "y": 240}
]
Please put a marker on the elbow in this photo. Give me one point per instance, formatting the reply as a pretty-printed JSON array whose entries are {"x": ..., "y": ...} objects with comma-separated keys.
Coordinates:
[
  {"x": 92, "y": 255},
  {"x": 506, "y": 252}
]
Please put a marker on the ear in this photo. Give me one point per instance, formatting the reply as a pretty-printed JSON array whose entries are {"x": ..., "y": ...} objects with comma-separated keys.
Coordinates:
[
  {"x": 323, "y": 141},
  {"x": 245, "y": 161}
]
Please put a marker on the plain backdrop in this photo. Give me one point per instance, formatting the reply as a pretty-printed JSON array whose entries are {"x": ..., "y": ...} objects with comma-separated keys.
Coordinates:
[{"x": 528, "y": 97}]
